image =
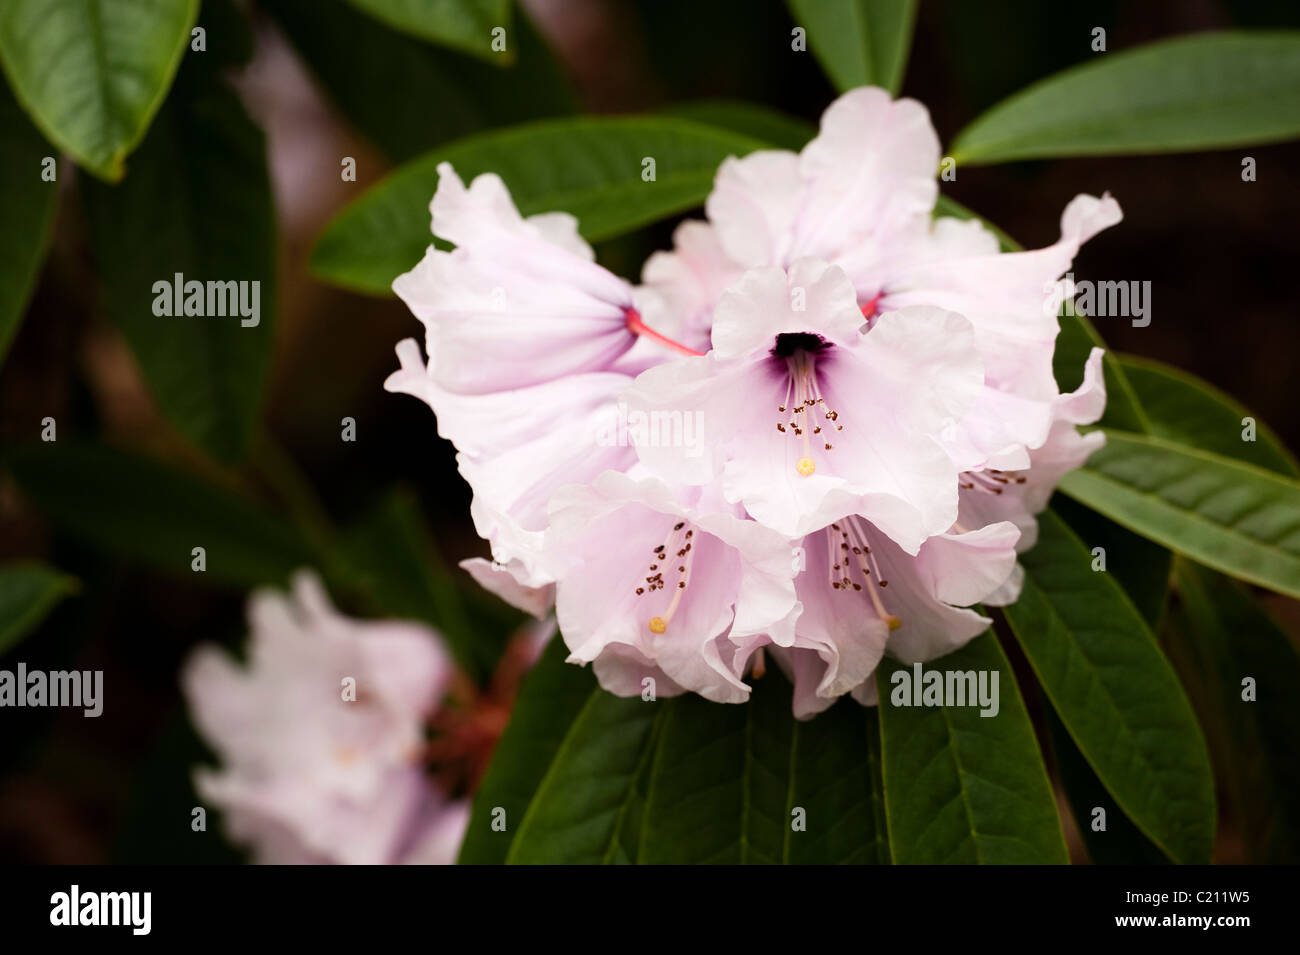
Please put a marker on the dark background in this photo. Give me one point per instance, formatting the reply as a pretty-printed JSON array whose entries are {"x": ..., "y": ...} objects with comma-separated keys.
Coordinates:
[{"x": 1220, "y": 254}]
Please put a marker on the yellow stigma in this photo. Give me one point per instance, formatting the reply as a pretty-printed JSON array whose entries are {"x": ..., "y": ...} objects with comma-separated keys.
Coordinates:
[
  {"x": 658, "y": 625},
  {"x": 806, "y": 466},
  {"x": 894, "y": 622}
]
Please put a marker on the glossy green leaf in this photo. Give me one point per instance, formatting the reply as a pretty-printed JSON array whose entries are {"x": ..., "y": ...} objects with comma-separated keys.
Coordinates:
[
  {"x": 1119, "y": 842},
  {"x": 29, "y": 204},
  {"x": 961, "y": 787},
  {"x": 141, "y": 509},
  {"x": 587, "y": 807},
  {"x": 1181, "y": 407},
  {"x": 550, "y": 699},
  {"x": 587, "y": 777},
  {"x": 1234, "y": 517},
  {"x": 360, "y": 63},
  {"x": 1140, "y": 566},
  {"x": 1117, "y": 695},
  {"x": 735, "y": 784},
  {"x": 775, "y": 129},
  {"x": 590, "y": 167},
  {"x": 859, "y": 42},
  {"x": 197, "y": 203},
  {"x": 461, "y": 24},
  {"x": 1205, "y": 91},
  {"x": 92, "y": 73},
  {"x": 28, "y": 592},
  {"x": 1227, "y": 638}
]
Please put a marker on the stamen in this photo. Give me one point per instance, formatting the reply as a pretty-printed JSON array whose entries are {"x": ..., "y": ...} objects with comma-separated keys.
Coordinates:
[
  {"x": 854, "y": 546},
  {"x": 679, "y": 539},
  {"x": 991, "y": 481},
  {"x": 802, "y": 386}
]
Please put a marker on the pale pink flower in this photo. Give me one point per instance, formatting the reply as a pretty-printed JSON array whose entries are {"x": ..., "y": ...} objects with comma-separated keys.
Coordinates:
[
  {"x": 529, "y": 343},
  {"x": 320, "y": 735},
  {"x": 661, "y": 583},
  {"x": 808, "y": 419},
  {"x": 1017, "y": 495},
  {"x": 863, "y": 596},
  {"x": 860, "y": 195}
]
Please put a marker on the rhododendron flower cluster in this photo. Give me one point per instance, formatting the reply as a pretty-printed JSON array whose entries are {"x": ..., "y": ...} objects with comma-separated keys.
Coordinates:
[{"x": 878, "y": 419}]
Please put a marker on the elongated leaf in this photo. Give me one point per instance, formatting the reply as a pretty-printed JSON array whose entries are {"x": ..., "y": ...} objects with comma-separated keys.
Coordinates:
[
  {"x": 1227, "y": 638},
  {"x": 599, "y": 779},
  {"x": 775, "y": 129},
  {"x": 92, "y": 73},
  {"x": 1115, "y": 692},
  {"x": 383, "y": 81},
  {"x": 592, "y": 168},
  {"x": 1210, "y": 90},
  {"x": 859, "y": 42},
  {"x": 1140, "y": 566},
  {"x": 587, "y": 807},
  {"x": 28, "y": 591},
  {"x": 749, "y": 784},
  {"x": 461, "y": 24},
  {"x": 549, "y": 701},
  {"x": 197, "y": 204},
  {"x": 1118, "y": 842},
  {"x": 961, "y": 787},
  {"x": 1234, "y": 517},
  {"x": 139, "y": 508},
  {"x": 29, "y": 204},
  {"x": 1181, "y": 407}
]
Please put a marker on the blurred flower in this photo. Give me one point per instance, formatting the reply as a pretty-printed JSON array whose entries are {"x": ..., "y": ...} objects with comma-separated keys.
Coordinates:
[{"x": 321, "y": 735}]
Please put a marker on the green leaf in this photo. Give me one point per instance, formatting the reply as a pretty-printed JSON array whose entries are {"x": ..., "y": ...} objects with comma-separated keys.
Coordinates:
[
  {"x": 550, "y": 699},
  {"x": 775, "y": 129},
  {"x": 28, "y": 591},
  {"x": 961, "y": 787},
  {"x": 460, "y": 24},
  {"x": 1182, "y": 408},
  {"x": 1226, "y": 637},
  {"x": 1142, "y": 567},
  {"x": 197, "y": 203},
  {"x": 92, "y": 73},
  {"x": 728, "y": 782},
  {"x": 141, "y": 509},
  {"x": 360, "y": 63},
  {"x": 388, "y": 553},
  {"x": 1117, "y": 695},
  {"x": 29, "y": 204},
  {"x": 589, "y": 167},
  {"x": 588, "y": 806},
  {"x": 1205, "y": 91},
  {"x": 1234, "y": 517},
  {"x": 587, "y": 777},
  {"x": 1120, "y": 842},
  {"x": 859, "y": 42}
]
